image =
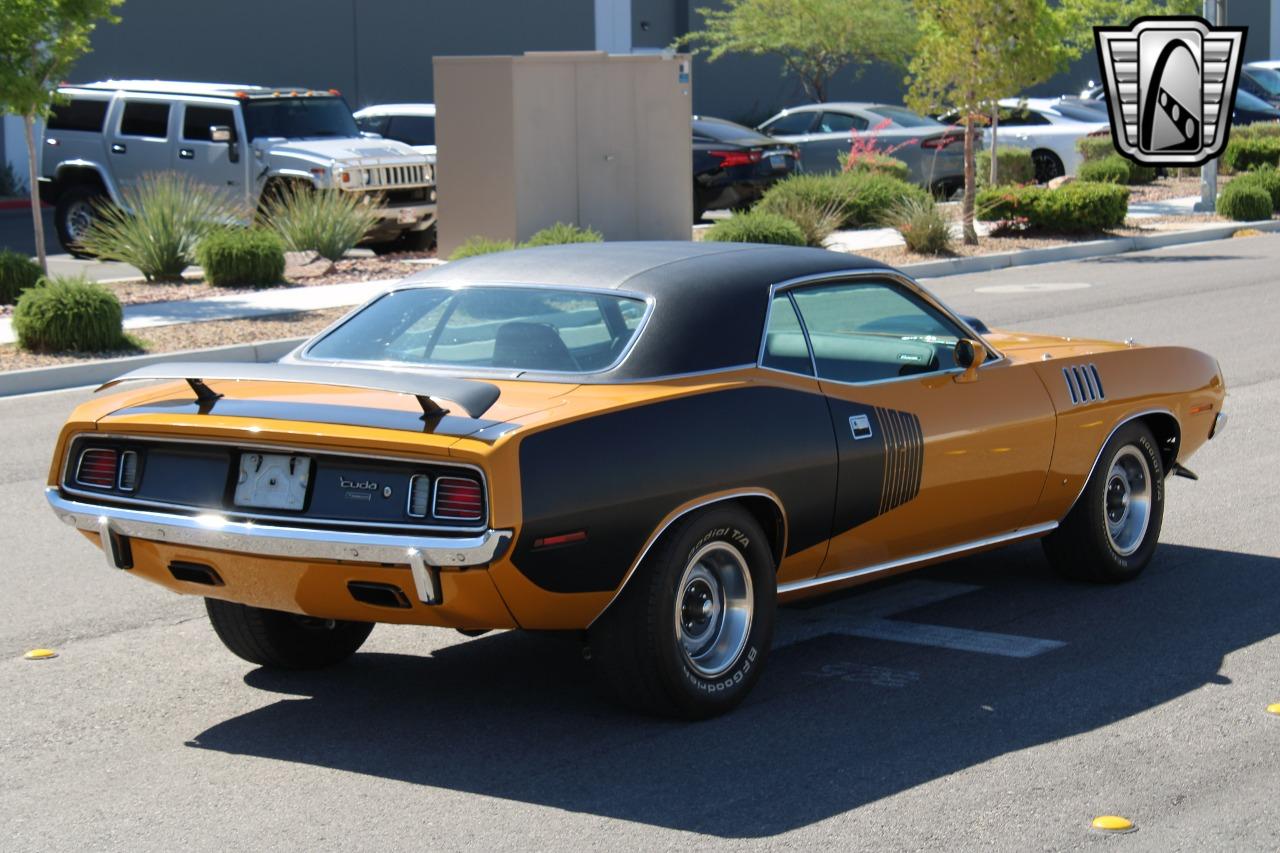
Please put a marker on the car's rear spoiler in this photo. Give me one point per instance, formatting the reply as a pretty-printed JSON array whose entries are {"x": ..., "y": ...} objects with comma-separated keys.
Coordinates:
[{"x": 431, "y": 391}]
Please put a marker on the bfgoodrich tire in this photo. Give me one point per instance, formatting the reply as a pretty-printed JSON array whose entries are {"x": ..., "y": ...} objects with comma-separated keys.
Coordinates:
[
  {"x": 1112, "y": 532},
  {"x": 690, "y": 633},
  {"x": 283, "y": 640}
]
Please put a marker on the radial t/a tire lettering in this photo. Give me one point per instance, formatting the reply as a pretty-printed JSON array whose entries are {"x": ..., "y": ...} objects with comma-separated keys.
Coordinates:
[
  {"x": 689, "y": 634},
  {"x": 1112, "y": 532}
]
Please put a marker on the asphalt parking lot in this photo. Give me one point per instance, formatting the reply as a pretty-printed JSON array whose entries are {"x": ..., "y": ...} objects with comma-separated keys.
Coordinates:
[{"x": 980, "y": 704}]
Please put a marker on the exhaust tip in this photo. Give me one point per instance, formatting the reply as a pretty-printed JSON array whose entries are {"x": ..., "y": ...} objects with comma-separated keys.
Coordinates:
[
  {"x": 378, "y": 594},
  {"x": 195, "y": 573}
]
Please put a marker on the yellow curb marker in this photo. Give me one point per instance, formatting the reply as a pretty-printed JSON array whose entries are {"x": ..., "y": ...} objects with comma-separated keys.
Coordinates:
[
  {"x": 1247, "y": 232},
  {"x": 1113, "y": 823},
  {"x": 1274, "y": 708},
  {"x": 40, "y": 654}
]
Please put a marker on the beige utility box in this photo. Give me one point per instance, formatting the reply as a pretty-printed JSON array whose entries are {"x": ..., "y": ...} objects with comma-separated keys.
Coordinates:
[{"x": 586, "y": 138}]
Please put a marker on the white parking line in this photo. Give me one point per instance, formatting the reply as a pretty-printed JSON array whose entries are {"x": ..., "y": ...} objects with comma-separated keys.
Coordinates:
[{"x": 867, "y": 616}]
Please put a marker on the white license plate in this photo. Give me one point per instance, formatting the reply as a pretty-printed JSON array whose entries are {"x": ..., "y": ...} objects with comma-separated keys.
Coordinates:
[
  {"x": 407, "y": 217},
  {"x": 273, "y": 480},
  {"x": 778, "y": 161}
]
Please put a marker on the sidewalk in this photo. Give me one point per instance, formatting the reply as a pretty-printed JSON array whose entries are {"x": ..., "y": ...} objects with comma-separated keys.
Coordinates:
[{"x": 238, "y": 306}]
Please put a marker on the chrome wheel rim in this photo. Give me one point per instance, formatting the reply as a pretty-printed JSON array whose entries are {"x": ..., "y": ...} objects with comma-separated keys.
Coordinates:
[
  {"x": 1127, "y": 502},
  {"x": 79, "y": 218},
  {"x": 713, "y": 609}
]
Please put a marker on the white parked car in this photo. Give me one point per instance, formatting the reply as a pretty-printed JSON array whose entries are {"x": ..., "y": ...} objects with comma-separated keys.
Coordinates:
[
  {"x": 1049, "y": 127},
  {"x": 412, "y": 124}
]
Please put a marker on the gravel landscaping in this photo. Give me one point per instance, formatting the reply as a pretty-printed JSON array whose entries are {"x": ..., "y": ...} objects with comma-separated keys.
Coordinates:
[{"x": 187, "y": 336}]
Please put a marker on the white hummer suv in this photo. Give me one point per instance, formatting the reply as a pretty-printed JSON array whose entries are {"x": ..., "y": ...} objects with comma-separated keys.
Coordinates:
[{"x": 242, "y": 139}]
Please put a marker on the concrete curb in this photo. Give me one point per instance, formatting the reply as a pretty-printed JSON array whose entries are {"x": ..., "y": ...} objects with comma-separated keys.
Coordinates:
[
  {"x": 96, "y": 372},
  {"x": 1080, "y": 251}
]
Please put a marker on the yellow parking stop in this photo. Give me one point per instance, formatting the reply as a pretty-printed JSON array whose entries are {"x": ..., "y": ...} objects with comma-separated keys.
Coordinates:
[
  {"x": 40, "y": 654},
  {"x": 1113, "y": 823}
]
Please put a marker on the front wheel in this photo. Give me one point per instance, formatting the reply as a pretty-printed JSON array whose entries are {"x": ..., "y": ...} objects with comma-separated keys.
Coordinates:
[
  {"x": 284, "y": 640},
  {"x": 74, "y": 215},
  {"x": 689, "y": 634},
  {"x": 1111, "y": 533}
]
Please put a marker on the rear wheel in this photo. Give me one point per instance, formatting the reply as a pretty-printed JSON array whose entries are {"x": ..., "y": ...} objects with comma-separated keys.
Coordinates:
[
  {"x": 74, "y": 214},
  {"x": 689, "y": 635},
  {"x": 1047, "y": 165},
  {"x": 284, "y": 640},
  {"x": 1111, "y": 533}
]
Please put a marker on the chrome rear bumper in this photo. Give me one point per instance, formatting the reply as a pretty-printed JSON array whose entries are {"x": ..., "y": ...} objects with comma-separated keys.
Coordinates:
[{"x": 423, "y": 554}]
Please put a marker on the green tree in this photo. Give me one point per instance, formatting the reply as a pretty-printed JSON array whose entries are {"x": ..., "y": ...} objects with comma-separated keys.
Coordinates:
[
  {"x": 40, "y": 40},
  {"x": 815, "y": 39}
]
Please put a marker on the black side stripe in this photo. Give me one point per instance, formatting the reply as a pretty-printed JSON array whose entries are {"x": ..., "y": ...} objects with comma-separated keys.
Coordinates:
[{"x": 903, "y": 457}]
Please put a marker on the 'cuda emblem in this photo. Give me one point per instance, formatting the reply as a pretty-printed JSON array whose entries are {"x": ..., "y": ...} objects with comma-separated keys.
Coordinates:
[{"x": 361, "y": 485}]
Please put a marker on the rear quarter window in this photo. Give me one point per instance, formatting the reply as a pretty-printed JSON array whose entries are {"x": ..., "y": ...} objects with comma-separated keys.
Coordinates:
[{"x": 78, "y": 114}]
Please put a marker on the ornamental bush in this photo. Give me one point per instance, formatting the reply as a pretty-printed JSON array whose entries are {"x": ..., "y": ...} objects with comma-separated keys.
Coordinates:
[
  {"x": 923, "y": 225},
  {"x": 158, "y": 225},
  {"x": 249, "y": 257},
  {"x": 863, "y": 198},
  {"x": 1265, "y": 178},
  {"x": 481, "y": 246},
  {"x": 69, "y": 315},
  {"x": 756, "y": 226},
  {"x": 1075, "y": 207},
  {"x": 1096, "y": 146},
  {"x": 816, "y": 221},
  {"x": 1246, "y": 152},
  {"x": 881, "y": 164},
  {"x": 561, "y": 233},
  {"x": 17, "y": 273},
  {"x": 1244, "y": 202},
  {"x": 1013, "y": 166},
  {"x": 1112, "y": 169}
]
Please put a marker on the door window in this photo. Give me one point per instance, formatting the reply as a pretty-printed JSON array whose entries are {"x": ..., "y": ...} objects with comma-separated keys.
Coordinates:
[
  {"x": 145, "y": 118},
  {"x": 196, "y": 122},
  {"x": 785, "y": 347},
  {"x": 790, "y": 124},
  {"x": 841, "y": 123},
  {"x": 871, "y": 331}
]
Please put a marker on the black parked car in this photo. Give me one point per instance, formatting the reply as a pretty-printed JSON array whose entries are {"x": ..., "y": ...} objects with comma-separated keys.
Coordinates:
[{"x": 733, "y": 165}]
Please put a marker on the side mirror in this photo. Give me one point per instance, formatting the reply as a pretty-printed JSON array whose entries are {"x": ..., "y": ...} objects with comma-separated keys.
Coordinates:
[
  {"x": 223, "y": 133},
  {"x": 969, "y": 355}
]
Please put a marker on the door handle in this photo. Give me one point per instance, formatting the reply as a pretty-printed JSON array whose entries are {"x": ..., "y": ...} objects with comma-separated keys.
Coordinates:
[
  {"x": 186, "y": 154},
  {"x": 118, "y": 148}
]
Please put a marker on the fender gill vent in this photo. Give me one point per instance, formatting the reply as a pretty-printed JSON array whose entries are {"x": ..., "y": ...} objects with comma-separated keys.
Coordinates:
[
  {"x": 1084, "y": 383},
  {"x": 903, "y": 457}
]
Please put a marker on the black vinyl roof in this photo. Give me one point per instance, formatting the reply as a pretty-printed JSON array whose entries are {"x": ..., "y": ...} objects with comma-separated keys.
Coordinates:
[{"x": 710, "y": 299}]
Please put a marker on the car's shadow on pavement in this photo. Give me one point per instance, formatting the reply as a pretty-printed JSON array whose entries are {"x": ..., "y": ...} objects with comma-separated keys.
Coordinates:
[{"x": 835, "y": 723}]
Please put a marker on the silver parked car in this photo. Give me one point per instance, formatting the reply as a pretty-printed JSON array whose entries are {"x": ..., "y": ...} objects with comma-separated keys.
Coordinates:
[
  {"x": 244, "y": 140},
  {"x": 933, "y": 151},
  {"x": 412, "y": 124}
]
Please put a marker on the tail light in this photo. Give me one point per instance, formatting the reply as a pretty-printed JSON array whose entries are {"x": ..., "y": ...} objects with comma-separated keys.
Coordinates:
[
  {"x": 419, "y": 495},
  {"x": 458, "y": 498},
  {"x": 938, "y": 142},
  {"x": 728, "y": 159},
  {"x": 98, "y": 467}
]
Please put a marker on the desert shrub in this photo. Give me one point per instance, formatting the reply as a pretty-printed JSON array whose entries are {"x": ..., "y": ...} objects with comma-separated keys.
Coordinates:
[
  {"x": 1265, "y": 178},
  {"x": 1256, "y": 130},
  {"x": 756, "y": 226},
  {"x": 1250, "y": 152},
  {"x": 1079, "y": 206},
  {"x": 881, "y": 164},
  {"x": 561, "y": 233},
  {"x": 69, "y": 315},
  {"x": 480, "y": 246},
  {"x": 242, "y": 256},
  {"x": 327, "y": 222},
  {"x": 1244, "y": 202},
  {"x": 1096, "y": 146},
  {"x": 17, "y": 273},
  {"x": 158, "y": 224},
  {"x": 1139, "y": 174},
  {"x": 863, "y": 198},
  {"x": 820, "y": 191},
  {"x": 923, "y": 225},
  {"x": 816, "y": 221},
  {"x": 1013, "y": 166},
  {"x": 1112, "y": 169}
]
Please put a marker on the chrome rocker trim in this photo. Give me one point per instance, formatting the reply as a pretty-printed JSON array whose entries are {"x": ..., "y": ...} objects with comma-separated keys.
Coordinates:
[{"x": 423, "y": 554}]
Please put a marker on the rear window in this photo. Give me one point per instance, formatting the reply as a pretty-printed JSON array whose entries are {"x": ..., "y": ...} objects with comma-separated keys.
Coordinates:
[
  {"x": 78, "y": 114},
  {"x": 145, "y": 118},
  {"x": 790, "y": 124},
  {"x": 502, "y": 328},
  {"x": 726, "y": 131},
  {"x": 903, "y": 117}
]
